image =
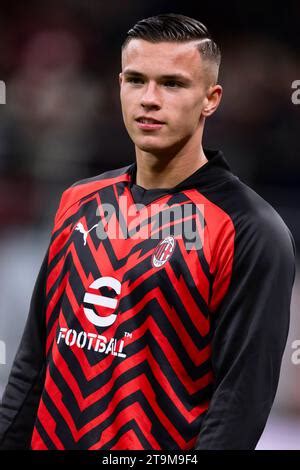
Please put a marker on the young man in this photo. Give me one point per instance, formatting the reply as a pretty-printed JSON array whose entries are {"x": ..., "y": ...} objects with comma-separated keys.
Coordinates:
[{"x": 148, "y": 331}]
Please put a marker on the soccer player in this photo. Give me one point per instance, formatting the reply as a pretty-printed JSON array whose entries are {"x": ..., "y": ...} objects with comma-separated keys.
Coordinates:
[{"x": 161, "y": 311}]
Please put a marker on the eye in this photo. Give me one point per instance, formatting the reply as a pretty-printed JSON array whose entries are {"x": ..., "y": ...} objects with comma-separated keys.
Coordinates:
[
  {"x": 133, "y": 80},
  {"x": 172, "y": 84}
]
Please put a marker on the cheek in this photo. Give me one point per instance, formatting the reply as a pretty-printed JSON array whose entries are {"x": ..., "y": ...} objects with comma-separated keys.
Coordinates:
[
  {"x": 192, "y": 112},
  {"x": 125, "y": 105},
  {"x": 185, "y": 117},
  {"x": 184, "y": 109},
  {"x": 128, "y": 105}
]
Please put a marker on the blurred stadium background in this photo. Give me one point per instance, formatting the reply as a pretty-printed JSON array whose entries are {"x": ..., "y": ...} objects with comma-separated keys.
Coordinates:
[{"x": 62, "y": 122}]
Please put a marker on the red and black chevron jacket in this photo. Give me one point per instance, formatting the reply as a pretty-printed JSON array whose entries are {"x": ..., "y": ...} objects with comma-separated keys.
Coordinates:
[{"x": 141, "y": 336}]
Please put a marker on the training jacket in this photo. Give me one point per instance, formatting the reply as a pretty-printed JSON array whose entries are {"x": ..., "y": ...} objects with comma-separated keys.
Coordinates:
[{"x": 158, "y": 319}]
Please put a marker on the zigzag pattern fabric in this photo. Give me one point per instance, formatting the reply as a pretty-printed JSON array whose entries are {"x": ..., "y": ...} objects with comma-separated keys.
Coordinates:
[
  {"x": 145, "y": 381},
  {"x": 158, "y": 319}
]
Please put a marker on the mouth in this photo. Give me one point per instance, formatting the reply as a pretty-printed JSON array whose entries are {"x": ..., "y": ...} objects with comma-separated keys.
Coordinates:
[{"x": 149, "y": 123}]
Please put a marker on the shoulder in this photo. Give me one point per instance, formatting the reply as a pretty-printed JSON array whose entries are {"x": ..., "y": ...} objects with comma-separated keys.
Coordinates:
[
  {"x": 247, "y": 209},
  {"x": 252, "y": 211},
  {"x": 260, "y": 232},
  {"x": 254, "y": 230},
  {"x": 257, "y": 247},
  {"x": 106, "y": 176},
  {"x": 85, "y": 187}
]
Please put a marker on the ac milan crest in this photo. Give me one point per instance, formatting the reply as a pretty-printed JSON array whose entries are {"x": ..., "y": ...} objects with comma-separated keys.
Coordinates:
[{"x": 163, "y": 251}]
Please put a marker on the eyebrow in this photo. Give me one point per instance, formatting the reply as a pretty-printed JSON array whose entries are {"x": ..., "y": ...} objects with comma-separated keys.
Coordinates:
[{"x": 174, "y": 76}]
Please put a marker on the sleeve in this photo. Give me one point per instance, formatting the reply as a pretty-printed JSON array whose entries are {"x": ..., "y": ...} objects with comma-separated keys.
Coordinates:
[
  {"x": 21, "y": 396},
  {"x": 250, "y": 329}
]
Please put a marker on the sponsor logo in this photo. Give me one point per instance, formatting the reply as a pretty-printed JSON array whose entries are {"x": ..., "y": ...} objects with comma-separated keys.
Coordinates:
[
  {"x": 84, "y": 232},
  {"x": 91, "y": 341},
  {"x": 102, "y": 301}
]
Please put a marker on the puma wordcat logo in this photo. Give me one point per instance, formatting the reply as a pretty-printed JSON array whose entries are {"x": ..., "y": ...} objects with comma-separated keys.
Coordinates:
[{"x": 84, "y": 232}]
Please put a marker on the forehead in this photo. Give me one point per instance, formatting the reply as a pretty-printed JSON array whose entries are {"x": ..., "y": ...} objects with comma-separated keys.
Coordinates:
[{"x": 162, "y": 57}]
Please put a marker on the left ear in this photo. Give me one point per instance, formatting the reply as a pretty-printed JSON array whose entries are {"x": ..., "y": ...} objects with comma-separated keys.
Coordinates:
[{"x": 212, "y": 100}]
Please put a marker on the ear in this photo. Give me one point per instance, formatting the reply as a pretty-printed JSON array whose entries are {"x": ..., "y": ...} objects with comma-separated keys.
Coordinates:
[
  {"x": 120, "y": 78},
  {"x": 212, "y": 100}
]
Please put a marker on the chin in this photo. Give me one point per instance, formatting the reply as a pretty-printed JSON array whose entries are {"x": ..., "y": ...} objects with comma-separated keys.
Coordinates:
[
  {"x": 153, "y": 150},
  {"x": 158, "y": 148},
  {"x": 147, "y": 146}
]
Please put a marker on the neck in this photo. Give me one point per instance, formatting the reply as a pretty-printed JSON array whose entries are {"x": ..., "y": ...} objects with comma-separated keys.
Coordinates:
[{"x": 157, "y": 171}]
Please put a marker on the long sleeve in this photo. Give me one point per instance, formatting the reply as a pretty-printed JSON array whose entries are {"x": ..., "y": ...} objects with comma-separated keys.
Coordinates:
[
  {"x": 23, "y": 391},
  {"x": 250, "y": 330}
]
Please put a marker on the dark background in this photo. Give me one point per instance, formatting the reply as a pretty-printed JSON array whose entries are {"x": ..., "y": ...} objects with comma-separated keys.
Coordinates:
[{"x": 62, "y": 122}]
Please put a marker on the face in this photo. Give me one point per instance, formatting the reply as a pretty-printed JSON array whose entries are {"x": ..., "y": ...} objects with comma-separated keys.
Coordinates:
[{"x": 167, "y": 82}]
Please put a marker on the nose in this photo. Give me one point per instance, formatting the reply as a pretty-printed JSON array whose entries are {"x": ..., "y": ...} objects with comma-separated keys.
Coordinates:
[{"x": 150, "y": 97}]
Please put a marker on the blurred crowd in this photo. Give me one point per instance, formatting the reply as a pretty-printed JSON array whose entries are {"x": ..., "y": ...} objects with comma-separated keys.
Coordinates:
[{"x": 62, "y": 122}]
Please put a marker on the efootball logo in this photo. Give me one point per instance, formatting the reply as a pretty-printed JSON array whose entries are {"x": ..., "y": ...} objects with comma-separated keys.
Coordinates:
[
  {"x": 102, "y": 301},
  {"x": 90, "y": 340}
]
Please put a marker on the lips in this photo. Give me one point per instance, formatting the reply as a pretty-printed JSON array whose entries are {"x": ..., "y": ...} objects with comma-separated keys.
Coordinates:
[
  {"x": 148, "y": 120},
  {"x": 149, "y": 126},
  {"x": 148, "y": 123}
]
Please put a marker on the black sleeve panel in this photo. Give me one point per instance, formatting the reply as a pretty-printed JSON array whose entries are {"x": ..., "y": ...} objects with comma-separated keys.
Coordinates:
[
  {"x": 23, "y": 391},
  {"x": 250, "y": 330}
]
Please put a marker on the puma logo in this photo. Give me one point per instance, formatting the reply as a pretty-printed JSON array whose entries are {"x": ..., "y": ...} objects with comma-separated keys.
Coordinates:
[{"x": 84, "y": 232}]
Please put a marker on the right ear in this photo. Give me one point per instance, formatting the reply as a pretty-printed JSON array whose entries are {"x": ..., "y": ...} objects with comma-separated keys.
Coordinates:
[
  {"x": 120, "y": 78},
  {"x": 212, "y": 100}
]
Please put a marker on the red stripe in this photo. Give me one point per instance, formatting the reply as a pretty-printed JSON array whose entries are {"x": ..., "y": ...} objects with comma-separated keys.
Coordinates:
[
  {"x": 51, "y": 336},
  {"x": 49, "y": 425},
  {"x": 201, "y": 323},
  {"x": 122, "y": 368},
  {"x": 59, "y": 242},
  {"x": 198, "y": 356},
  {"x": 45, "y": 417},
  {"x": 201, "y": 283},
  {"x": 56, "y": 296},
  {"x": 37, "y": 442},
  {"x": 219, "y": 236},
  {"x": 69, "y": 203},
  {"x": 54, "y": 274},
  {"x": 129, "y": 440}
]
